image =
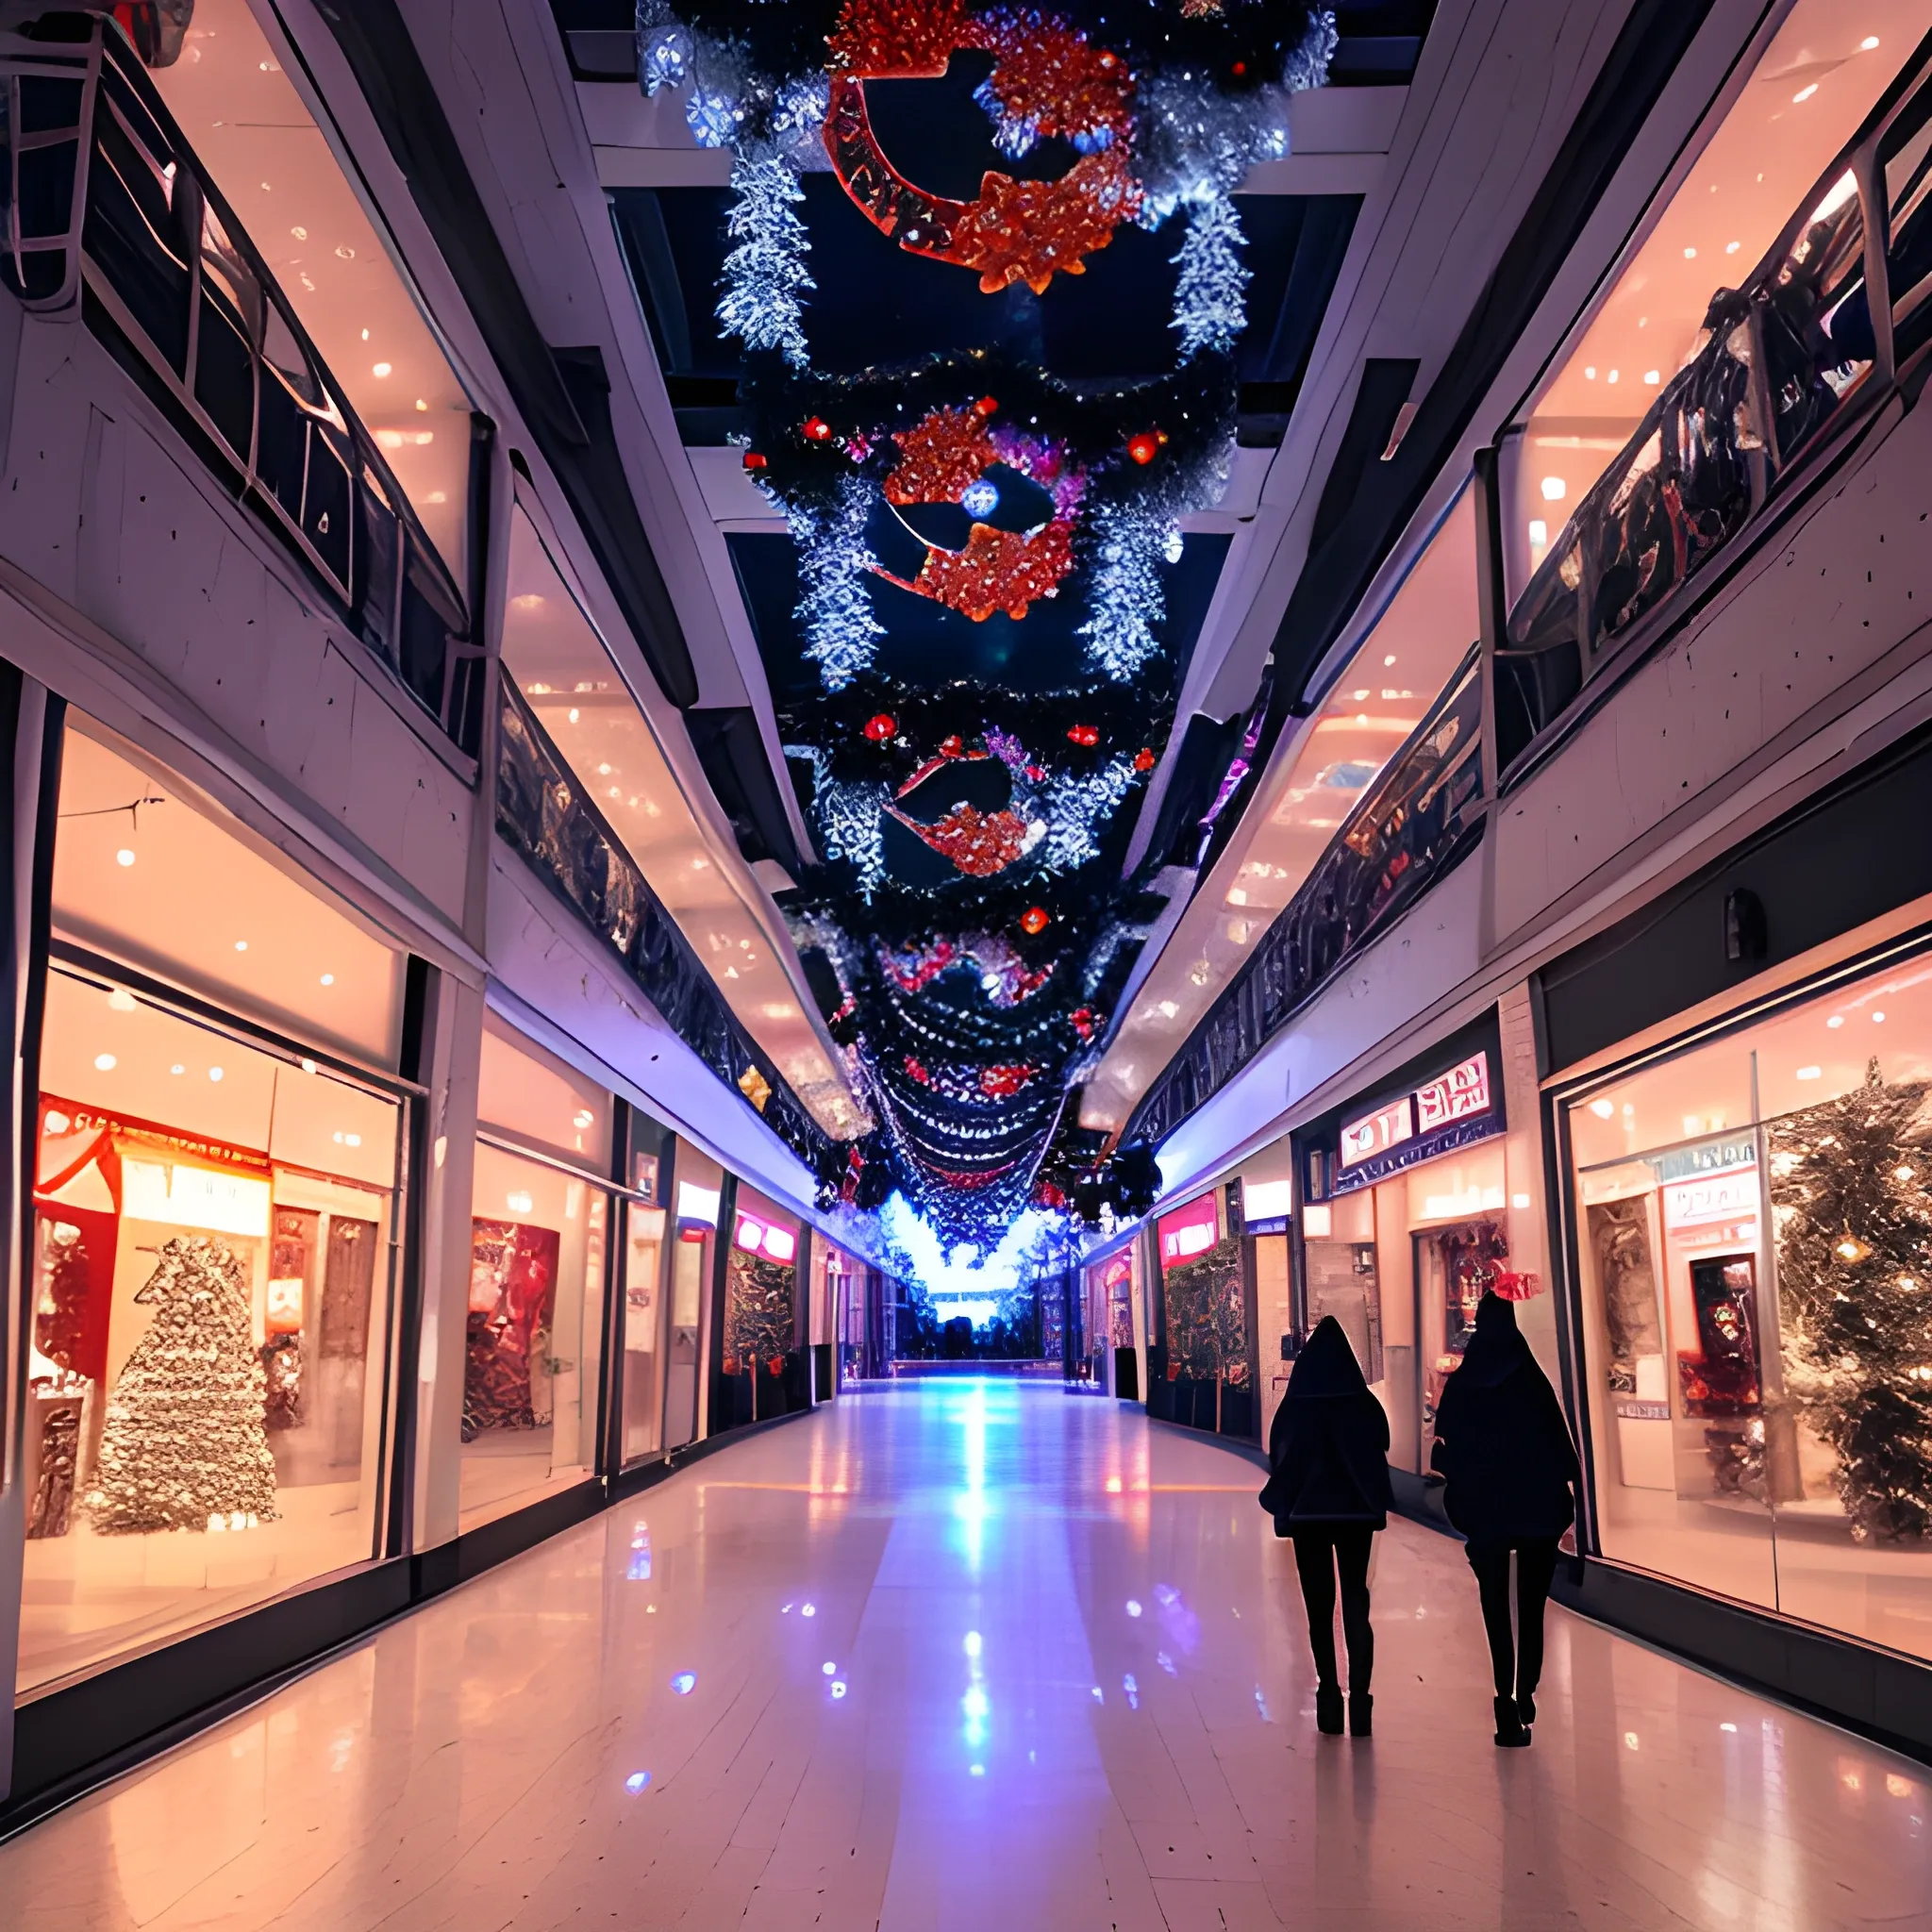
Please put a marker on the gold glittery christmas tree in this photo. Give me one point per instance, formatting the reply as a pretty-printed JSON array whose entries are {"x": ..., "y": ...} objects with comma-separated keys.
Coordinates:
[{"x": 184, "y": 1446}]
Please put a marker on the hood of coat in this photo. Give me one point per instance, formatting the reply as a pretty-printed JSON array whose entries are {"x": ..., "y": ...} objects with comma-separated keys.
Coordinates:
[
  {"x": 1497, "y": 1349},
  {"x": 1326, "y": 1365}
]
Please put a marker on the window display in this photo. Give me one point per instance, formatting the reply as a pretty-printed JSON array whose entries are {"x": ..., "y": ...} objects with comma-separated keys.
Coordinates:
[
  {"x": 762, "y": 1367},
  {"x": 533, "y": 1345},
  {"x": 642, "y": 1393},
  {"x": 215, "y": 1219},
  {"x": 1753, "y": 1233},
  {"x": 1206, "y": 1306},
  {"x": 1406, "y": 1225},
  {"x": 693, "y": 1257}
]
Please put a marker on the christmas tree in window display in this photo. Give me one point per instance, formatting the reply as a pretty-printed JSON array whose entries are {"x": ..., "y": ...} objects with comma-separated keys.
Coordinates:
[
  {"x": 1851, "y": 1187},
  {"x": 185, "y": 1445}
]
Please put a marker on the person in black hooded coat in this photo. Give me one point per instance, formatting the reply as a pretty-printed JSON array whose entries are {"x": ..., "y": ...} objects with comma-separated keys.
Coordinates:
[
  {"x": 1328, "y": 1490},
  {"x": 1505, "y": 1450}
]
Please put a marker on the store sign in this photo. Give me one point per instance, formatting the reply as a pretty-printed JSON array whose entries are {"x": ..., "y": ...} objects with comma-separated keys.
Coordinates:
[
  {"x": 1459, "y": 1092},
  {"x": 1375, "y": 1133},
  {"x": 1731, "y": 1196},
  {"x": 1707, "y": 1156},
  {"x": 1451, "y": 1110},
  {"x": 1189, "y": 1231}
]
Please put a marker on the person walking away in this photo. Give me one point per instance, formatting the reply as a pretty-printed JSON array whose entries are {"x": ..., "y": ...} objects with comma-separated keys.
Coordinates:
[
  {"x": 1328, "y": 1490},
  {"x": 1505, "y": 1450}
]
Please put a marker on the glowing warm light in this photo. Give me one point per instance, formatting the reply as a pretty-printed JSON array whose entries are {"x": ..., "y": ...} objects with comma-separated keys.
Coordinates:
[
  {"x": 1603, "y": 1109},
  {"x": 1805, "y": 93},
  {"x": 520, "y": 1202},
  {"x": 105, "y": 1062},
  {"x": 1555, "y": 489},
  {"x": 1810, "y": 1073},
  {"x": 637, "y": 1781},
  {"x": 121, "y": 1000},
  {"x": 124, "y": 857},
  {"x": 328, "y": 979},
  {"x": 1113, "y": 1486},
  {"x": 380, "y": 368},
  {"x": 683, "y": 1683}
]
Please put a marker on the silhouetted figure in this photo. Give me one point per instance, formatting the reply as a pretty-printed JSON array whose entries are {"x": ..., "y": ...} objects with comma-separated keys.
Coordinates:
[
  {"x": 1329, "y": 1490},
  {"x": 1502, "y": 1445}
]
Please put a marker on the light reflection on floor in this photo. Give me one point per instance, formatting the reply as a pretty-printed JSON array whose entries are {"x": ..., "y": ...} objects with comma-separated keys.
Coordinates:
[{"x": 972, "y": 1653}]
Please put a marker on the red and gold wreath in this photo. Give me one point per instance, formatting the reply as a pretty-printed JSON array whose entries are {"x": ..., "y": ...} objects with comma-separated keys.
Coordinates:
[
  {"x": 939, "y": 457},
  {"x": 1047, "y": 77},
  {"x": 979, "y": 843}
]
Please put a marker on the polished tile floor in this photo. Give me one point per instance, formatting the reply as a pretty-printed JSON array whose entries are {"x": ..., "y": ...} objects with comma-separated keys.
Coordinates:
[{"x": 981, "y": 1656}]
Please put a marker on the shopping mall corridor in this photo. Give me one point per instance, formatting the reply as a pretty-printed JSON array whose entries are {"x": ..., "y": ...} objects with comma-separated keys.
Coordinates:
[{"x": 972, "y": 1655}]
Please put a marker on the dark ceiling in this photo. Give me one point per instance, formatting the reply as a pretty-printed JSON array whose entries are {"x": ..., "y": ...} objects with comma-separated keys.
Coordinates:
[{"x": 971, "y": 782}]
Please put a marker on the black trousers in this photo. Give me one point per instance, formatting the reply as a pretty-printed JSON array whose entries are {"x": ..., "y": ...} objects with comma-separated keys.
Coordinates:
[
  {"x": 1519, "y": 1663},
  {"x": 1320, "y": 1554}
]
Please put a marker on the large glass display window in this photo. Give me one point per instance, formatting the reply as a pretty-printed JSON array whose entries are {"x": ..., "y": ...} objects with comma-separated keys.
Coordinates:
[
  {"x": 700, "y": 1192},
  {"x": 538, "y": 1257},
  {"x": 644, "y": 1260},
  {"x": 761, "y": 1366},
  {"x": 1207, "y": 1354},
  {"x": 1751, "y": 1222},
  {"x": 215, "y": 1229}
]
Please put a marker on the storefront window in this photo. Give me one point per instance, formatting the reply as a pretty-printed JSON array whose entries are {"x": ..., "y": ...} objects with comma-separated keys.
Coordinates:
[
  {"x": 700, "y": 1185},
  {"x": 762, "y": 1367},
  {"x": 1756, "y": 1378},
  {"x": 643, "y": 1301},
  {"x": 1406, "y": 1228},
  {"x": 214, "y": 1236},
  {"x": 539, "y": 1236},
  {"x": 1206, "y": 1309}
]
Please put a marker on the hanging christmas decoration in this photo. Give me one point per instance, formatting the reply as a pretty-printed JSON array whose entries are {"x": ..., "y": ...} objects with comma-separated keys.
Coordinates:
[
  {"x": 979, "y": 843},
  {"x": 881, "y": 727},
  {"x": 1036, "y": 918},
  {"x": 765, "y": 276}
]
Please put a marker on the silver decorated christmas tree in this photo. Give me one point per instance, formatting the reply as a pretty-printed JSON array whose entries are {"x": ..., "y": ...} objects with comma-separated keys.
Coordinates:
[
  {"x": 1851, "y": 1188},
  {"x": 184, "y": 1445}
]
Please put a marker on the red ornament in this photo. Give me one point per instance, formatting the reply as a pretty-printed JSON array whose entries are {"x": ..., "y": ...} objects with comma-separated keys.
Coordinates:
[
  {"x": 979, "y": 843},
  {"x": 881, "y": 727},
  {"x": 817, "y": 428},
  {"x": 753, "y": 460},
  {"x": 1083, "y": 735},
  {"x": 1036, "y": 773},
  {"x": 951, "y": 747},
  {"x": 999, "y": 1083},
  {"x": 1082, "y": 1018},
  {"x": 1035, "y": 919},
  {"x": 1144, "y": 759},
  {"x": 986, "y": 406},
  {"x": 914, "y": 1071},
  {"x": 1144, "y": 447},
  {"x": 1046, "y": 74},
  {"x": 1050, "y": 1196},
  {"x": 998, "y": 569}
]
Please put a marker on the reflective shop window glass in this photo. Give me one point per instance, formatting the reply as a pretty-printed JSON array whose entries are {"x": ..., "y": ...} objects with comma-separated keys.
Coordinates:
[
  {"x": 529, "y": 1096},
  {"x": 1822, "y": 75},
  {"x": 1203, "y": 1303},
  {"x": 762, "y": 1366},
  {"x": 250, "y": 128},
  {"x": 641, "y": 1393},
  {"x": 143, "y": 874},
  {"x": 212, "y": 1263},
  {"x": 532, "y": 1344},
  {"x": 697, "y": 1193},
  {"x": 1753, "y": 1221}
]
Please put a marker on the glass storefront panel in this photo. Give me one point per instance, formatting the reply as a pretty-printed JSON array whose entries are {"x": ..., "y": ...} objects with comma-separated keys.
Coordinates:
[
  {"x": 1757, "y": 1380},
  {"x": 531, "y": 1356},
  {"x": 762, "y": 1368},
  {"x": 642, "y": 1392},
  {"x": 700, "y": 1183},
  {"x": 212, "y": 1241},
  {"x": 1207, "y": 1343}
]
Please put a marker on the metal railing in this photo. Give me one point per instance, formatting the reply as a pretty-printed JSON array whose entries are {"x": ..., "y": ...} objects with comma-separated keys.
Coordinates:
[
  {"x": 107, "y": 207},
  {"x": 1788, "y": 365},
  {"x": 1422, "y": 813}
]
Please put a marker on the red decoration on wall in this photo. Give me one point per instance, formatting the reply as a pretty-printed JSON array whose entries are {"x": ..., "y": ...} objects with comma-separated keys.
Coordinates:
[
  {"x": 1044, "y": 73},
  {"x": 1083, "y": 1022},
  {"x": 951, "y": 747},
  {"x": 1144, "y": 446},
  {"x": 817, "y": 428},
  {"x": 987, "y": 406},
  {"x": 1084, "y": 736},
  {"x": 914, "y": 1071},
  {"x": 998, "y": 569},
  {"x": 881, "y": 727},
  {"x": 1035, "y": 919},
  {"x": 941, "y": 453},
  {"x": 753, "y": 460},
  {"x": 1144, "y": 759}
]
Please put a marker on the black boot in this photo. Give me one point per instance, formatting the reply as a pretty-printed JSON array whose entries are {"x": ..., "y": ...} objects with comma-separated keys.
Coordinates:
[
  {"x": 1361, "y": 1708},
  {"x": 1329, "y": 1710},
  {"x": 1525, "y": 1707},
  {"x": 1509, "y": 1731}
]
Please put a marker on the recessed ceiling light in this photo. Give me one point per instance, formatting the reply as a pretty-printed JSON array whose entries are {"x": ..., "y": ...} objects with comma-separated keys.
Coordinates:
[
  {"x": 1732, "y": 247},
  {"x": 380, "y": 368},
  {"x": 124, "y": 857},
  {"x": 178, "y": 1068},
  {"x": 241, "y": 945},
  {"x": 1690, "y": 255},
  {"x": 1805, "y": 93},
  {"x": 1653, "y": 376},
  {"x": 1836, "y": 1020},
  {"x": 1810, "y": 1073},
  {"x": 215, "y": 1073},
  {"x": 1553, "y": 488},
  {"x": 1590, "y": 371},
  {"x": 1603, "y": 1109},
  {"x": 1878, "y": 1019},
  {"x": 105, "y": 1062},
  {"x": 328, "y": 979},
  {"x": 1870, "y": 41},
  {"x": 1389, "y": 659},
  {"x": 121, "y": 1000}
]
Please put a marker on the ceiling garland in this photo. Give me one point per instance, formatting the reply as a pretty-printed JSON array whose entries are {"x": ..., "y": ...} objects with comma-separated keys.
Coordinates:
[{"x": 970, "y": 911}]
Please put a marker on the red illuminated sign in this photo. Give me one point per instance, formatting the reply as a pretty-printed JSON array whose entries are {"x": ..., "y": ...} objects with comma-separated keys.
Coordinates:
[
  {"x": 1456, "y": 1094},
  {"x": 1189, "y": 1231}
]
